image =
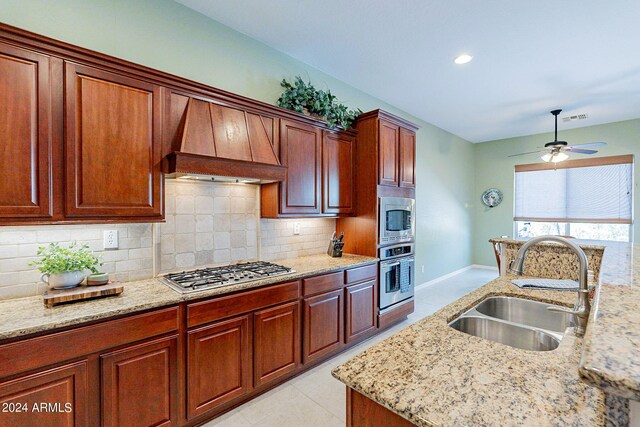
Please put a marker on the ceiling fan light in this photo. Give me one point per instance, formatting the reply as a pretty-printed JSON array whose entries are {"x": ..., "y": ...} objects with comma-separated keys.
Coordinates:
[
  {"x": 560, "y": 157},
  {"x": 547, "y": 157}
]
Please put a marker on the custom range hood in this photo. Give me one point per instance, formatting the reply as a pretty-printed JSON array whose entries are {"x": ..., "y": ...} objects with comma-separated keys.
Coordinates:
[{"x": 221, "y": 143}]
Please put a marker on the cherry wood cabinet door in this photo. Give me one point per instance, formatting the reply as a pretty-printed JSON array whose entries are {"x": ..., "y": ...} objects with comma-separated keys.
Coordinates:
[
  {"x": 360, "y": 310},
  {"x": 388, "y": 154},
  {"x": 25, "y": 126},
  {"x": 56, "y": 397},
  {"x": 140, "y": 383},
  {"x": 407, "y": 149},
  {"x": 300, "y": 152},
  {"x": 218, "y": 364},
  {"x": 113, "y": 145},
  {"x": 323, "y": 328},
  {"x": 276, "y": 342},
  {"x": 337, "y": 173}
]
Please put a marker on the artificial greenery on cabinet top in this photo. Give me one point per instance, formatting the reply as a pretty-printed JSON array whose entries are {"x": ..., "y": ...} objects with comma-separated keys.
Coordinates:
[{"x": 305, "y": 98}]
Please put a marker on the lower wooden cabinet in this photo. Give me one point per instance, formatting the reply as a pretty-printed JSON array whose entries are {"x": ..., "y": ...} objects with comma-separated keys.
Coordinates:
[
  {"x": 218, "y": 364},
  {"x": 56, "y": 397},
  {"x": 140, "y": 385},
  {"x": 276, "y": 337},
  {"x": 323, "y": 325},
  {"x": 360, "y": 310}
]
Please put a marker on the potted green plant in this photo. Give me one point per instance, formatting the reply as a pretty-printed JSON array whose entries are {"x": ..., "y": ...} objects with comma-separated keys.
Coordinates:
[
  {"x": 306, "y": 99},
  {"x": 65, "y": 267}
]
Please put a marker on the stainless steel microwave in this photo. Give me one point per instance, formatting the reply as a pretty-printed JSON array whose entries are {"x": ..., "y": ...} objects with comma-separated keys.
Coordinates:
[{"x": 397, "y": 219}]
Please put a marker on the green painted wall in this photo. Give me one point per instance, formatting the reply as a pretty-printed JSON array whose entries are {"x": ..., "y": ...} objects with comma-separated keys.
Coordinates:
[
  {"x": 167, "y": 36},
  {"x": 494, "y": 169}
]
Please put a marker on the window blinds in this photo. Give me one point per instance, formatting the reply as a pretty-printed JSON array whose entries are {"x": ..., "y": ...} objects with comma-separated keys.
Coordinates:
[{"x": 586, "y": 190}]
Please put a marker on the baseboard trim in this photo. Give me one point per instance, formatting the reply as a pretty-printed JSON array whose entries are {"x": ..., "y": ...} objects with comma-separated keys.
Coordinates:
[
  {"x": 485, "y": 267},
  {"x": 432, "y": 282}
]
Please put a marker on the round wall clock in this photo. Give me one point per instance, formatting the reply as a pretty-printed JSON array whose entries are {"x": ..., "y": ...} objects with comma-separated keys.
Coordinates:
[{"x": 492, "y": 197}]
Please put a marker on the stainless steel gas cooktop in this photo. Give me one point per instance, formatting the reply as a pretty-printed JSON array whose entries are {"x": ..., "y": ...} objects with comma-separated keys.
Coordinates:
[{"x": 215, "y": 277}]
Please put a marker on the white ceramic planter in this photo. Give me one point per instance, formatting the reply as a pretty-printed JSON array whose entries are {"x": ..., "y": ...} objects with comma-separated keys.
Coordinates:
[{"x": 68, "y": 279}]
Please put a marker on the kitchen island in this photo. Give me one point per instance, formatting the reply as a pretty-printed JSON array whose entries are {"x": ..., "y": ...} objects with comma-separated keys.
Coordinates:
[{"x": 432, "y": 375}]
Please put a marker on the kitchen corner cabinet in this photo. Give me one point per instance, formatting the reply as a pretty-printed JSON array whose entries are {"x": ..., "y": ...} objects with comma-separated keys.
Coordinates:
[
  {"x": 25, "y": 126},
  {"x": 397, "y": 152},
  {"x": 320, "y": 174},
  {"x": 140, "y": 383},
  {"x": 112, "y": 145}
]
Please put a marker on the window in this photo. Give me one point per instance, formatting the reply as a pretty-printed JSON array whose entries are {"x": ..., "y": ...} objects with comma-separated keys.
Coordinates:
[{"x": 586, "y": 198}]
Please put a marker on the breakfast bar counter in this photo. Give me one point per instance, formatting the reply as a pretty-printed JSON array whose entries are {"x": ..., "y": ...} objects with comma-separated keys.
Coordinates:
[{"x": 434, "y": 375}]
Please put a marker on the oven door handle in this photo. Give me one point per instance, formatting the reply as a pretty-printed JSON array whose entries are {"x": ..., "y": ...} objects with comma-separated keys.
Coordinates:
[{"x": 389, "y": 265}]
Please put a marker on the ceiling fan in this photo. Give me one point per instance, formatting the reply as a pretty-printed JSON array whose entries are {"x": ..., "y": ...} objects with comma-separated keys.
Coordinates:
[{"x": 556, "y": 151}]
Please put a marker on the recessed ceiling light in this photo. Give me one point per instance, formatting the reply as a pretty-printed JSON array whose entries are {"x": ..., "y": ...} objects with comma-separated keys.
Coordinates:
[{"x": 463, "y": 59}]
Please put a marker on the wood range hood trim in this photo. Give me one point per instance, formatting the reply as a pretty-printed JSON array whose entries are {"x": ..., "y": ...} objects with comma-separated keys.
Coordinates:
[{"x": 185, "y": 165}]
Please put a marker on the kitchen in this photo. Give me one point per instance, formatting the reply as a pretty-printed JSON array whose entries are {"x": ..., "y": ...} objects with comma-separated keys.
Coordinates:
[{"x": 215, "y": 176}]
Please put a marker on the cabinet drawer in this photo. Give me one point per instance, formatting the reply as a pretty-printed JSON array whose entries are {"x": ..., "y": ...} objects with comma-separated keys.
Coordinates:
[
  {"x": 32, "y": 353},
  {"x": 207, "y": 311},
  {"x": 361, "y": 273},
  {"x": 326, "y": 282}
]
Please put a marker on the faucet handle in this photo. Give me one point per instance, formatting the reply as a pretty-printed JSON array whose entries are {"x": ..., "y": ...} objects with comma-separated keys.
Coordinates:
[{"x": 562, "y": 310}]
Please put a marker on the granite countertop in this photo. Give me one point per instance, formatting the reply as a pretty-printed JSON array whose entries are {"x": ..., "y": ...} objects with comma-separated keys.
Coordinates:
[
  {"x": 25, "y": 316},
  {"x": 584, "y": 244},
  {"x": 611, "y": 356},
  {"x": 433, "y": 375}
]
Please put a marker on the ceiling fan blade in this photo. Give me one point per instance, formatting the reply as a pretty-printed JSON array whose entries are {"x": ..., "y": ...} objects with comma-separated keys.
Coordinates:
[
  {"x": 524, "y": 154},
  {"x": 589, "y": 144},
  {"x": 580, "y": 151}
]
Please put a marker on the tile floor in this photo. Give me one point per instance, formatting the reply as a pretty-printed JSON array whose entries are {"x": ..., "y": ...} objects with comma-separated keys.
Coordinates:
[{"x": 315, "y": 398}]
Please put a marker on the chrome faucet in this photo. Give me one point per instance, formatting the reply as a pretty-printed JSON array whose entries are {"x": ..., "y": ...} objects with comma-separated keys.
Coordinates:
[{"x": 582, "y": 308}]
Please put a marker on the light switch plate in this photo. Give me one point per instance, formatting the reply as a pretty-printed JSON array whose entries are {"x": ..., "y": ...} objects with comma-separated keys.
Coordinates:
[
  {"x": 110, "y": 239},
  {"x": 296, "y": 228}
]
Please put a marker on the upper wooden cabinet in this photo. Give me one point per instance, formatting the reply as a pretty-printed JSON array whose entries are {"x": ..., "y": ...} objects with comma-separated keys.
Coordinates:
[
  {"x": 301, "y": 148},
  {"x": 388, "y": 154},
  {"x": 112, "y": 145},
  {"x": 407, "y": 161},
  {"x": 320, "y": 173},
  {"x": 396, "y": 156},
  {"x": 338, "y": 152},
  {"x": 25, "y": 126}
]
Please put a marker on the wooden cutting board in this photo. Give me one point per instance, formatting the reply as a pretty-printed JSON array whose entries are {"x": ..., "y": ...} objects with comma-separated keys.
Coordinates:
[{"x": 60, "y": 296}]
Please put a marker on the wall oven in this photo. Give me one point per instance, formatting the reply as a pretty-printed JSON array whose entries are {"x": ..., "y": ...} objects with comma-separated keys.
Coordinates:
[
  {"x": 397, "y": 275},
  {"x": 397, "y": 219}
]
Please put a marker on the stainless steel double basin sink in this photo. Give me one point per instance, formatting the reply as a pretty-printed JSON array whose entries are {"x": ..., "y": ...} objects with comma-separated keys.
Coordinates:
[{"x": 516, "y": 322}]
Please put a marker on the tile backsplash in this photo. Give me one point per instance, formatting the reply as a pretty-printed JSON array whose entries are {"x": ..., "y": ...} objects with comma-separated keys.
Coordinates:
[
  {"x": 278, "y": 241},
  {"x": 206, "y": 223},
  {"x": 133, "y": 260}
]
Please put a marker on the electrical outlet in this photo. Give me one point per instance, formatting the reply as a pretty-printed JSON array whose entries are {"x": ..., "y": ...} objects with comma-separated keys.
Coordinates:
[
  {"x": 423, "y": 268},
  {"x": 296, "y": 228},
  {"x": 110, "y": 239}
]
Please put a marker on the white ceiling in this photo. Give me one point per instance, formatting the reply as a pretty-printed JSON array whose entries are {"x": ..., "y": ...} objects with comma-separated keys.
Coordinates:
[{"x": 529, "y": 56}]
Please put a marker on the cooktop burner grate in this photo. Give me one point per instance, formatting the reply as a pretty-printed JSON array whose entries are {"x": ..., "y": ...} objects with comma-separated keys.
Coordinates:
[{"x": 213, "y": 277}]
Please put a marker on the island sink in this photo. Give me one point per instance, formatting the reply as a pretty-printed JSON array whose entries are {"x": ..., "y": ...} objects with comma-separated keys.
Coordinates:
[{"x": 516, "y": 322}]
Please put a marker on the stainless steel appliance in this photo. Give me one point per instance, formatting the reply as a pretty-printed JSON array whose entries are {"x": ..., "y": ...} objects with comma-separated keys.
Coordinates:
[
  {"x": 214, "y": 277},
  {"x": 397, "y": 220},
  {"x": 397, "y": 275}
]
